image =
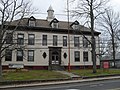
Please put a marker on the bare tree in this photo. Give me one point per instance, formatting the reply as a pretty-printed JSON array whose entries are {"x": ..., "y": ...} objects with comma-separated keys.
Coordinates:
[
  {"x": 104, "y": 39},
  {"x": 10, "y": 10},
  {"x": 103, "y": 46},
  {"x": 106, "y": 45},
  {"x": 111, "y": 23},
  {"x": 90, "y": 10}
]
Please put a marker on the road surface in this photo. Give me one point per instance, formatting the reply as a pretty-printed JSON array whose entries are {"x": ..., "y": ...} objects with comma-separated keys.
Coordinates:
[{"x": 97, "y": 85}]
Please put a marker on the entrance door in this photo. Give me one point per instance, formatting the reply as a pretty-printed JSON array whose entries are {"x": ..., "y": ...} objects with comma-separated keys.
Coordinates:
[
  {"x": 55, "y": 60},
  {"x": 54, "y": 56}
]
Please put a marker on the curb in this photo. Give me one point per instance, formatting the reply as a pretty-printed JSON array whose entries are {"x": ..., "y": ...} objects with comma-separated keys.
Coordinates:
[
  {"x": 17, "y": 82},
  {"x": 59, "y": 82},
  {"x": 100, "y": 76}
]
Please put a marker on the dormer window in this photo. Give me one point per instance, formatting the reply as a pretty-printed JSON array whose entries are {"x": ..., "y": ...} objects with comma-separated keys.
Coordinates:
[
  {"x": 54, "y": 23},
  {"x": 32, "y": 21},
  {"x": 75, "y": 25}
]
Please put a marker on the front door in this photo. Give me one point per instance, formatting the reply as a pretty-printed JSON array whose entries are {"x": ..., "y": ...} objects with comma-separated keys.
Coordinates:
[
  {"x": 55, "y": 59},
  {"x": 54, "y": 56}
]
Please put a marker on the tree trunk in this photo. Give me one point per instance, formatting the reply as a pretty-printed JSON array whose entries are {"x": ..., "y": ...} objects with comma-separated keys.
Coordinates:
[
  {"x": 93, "y": 38},
  {"x": 113, "y": 47},
  {"x": 93, "y": 55},
  {"x": 0, "y": 69}
]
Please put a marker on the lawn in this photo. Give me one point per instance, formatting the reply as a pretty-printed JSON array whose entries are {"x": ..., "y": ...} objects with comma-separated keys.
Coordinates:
[
  {"x": 47, "y": 75},
  {"x": 32, "y": 75},
  {"x": 88, "y": 72}
]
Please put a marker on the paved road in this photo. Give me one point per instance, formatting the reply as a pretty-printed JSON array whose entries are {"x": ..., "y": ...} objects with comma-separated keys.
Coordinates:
[{"x": 97, "y": 85}]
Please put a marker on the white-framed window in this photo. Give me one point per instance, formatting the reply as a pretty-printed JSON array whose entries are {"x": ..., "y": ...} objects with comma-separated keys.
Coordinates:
[
  {"x": 8, "y": 55},
  {"x": 75, "y": 27},
  {"x": 55, "y": 40},
  {"x": 20, "y": 40},
  {"x": 30, "y": 55},
  {"x": 64, "y": 40},
  {"x": 85, "y": 56},
  {"x": 31, "y": 39},
  {"x": 85, "y": 42},
  {"x": 77, "y": 56},
  {"x": 76, "y": 42},
  {"x": 19, "y": 55},
  {"x": 44, "y": 40},
  {"x": 31, "y": 23},
  {"x": 9, "y": 38},
  {"x": 55, "y": 25}
]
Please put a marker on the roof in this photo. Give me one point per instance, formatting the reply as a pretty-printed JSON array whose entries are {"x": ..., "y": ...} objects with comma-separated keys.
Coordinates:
[
  {"x": 42, "y": 23},
  {"x": 109, "y": 57},
  {"x": 50, "y": 8}
]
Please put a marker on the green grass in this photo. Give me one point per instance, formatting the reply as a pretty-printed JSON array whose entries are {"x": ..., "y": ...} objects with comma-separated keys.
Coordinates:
[
  {"x": 46, "y": 74},
  {"x": 88, "y": 72},
  {"x": 32, "y": 75}
]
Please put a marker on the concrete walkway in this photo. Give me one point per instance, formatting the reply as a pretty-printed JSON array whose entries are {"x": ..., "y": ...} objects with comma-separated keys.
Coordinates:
[{"x": 69, "y": 74}]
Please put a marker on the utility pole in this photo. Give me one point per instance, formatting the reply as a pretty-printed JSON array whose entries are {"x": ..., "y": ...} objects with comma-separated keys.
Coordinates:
[{"x": 68, "y": 37}]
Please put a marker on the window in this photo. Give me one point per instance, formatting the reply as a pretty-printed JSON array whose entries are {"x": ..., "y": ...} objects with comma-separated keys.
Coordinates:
[
  {"x": 85, "y": 43},
  {"x": 20, "y": 39},
  {"x": 64, "y": 40},
  {"x": 65, "y": 55},
  {"x": 76, "y": 41},
  {"x": 44, "y": 55},
  {"x": 31, "y": 39},
  {"x": 54, "y": 25},
  {"x": 19, "y": 55},
  {"x": 8, "y": 55},
  {"x": 54, "y": 40},
  {"x": 31, "y": 55},
  {"x": 44, "y": 40},
  {"x": 9, "y": 38},
  {"x": 77, "y": 56},
  {"x": 75, "y": 27},
  {"x": 85, "y": 56},
  {"x": 31, "y": 23}
]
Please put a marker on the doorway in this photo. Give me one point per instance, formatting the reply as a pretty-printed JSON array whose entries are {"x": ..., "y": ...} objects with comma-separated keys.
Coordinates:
[
  {"x": 54, "y": 56},
  {"x": 55, "y": 60}
]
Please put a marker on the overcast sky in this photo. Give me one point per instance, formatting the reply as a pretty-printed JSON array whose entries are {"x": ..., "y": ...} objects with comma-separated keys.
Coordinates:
[{"x": 59, "y": 7}]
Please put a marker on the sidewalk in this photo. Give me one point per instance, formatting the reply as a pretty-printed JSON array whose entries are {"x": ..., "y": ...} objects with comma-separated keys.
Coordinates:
[
  {"x": 69, "y": 74},
  {"x": 60, "y": 82}
]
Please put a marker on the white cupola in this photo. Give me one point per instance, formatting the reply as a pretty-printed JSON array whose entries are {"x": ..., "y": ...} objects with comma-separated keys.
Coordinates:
[{"x": 50, "y": 16}]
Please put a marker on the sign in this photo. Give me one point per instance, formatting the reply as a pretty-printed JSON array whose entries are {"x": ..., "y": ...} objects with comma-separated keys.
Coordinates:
[
  {"x": 106, "y": 65},
  {"x": 16, "y": 66}
]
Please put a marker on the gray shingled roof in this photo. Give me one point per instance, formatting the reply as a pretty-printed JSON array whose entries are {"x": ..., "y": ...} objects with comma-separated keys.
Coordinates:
[
  {"x": 46, "y": 24},
  {"x": 41, "y": 23}
]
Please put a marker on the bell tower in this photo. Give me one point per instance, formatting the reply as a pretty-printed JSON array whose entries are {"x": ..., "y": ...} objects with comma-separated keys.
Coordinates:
[{"x": 50, "y": 16}]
